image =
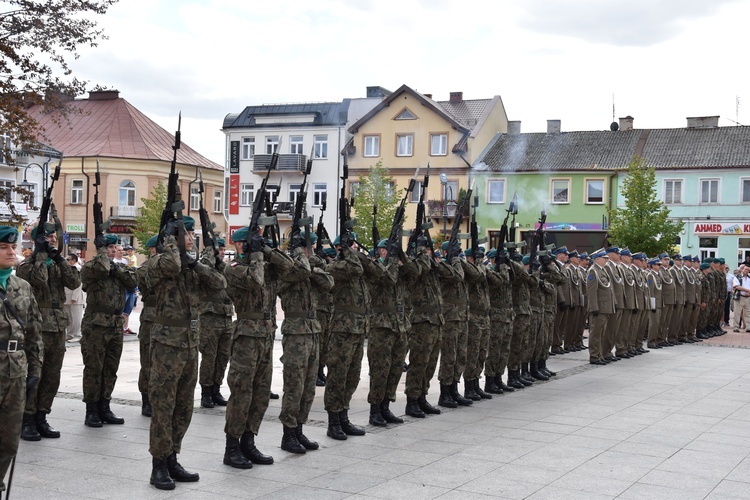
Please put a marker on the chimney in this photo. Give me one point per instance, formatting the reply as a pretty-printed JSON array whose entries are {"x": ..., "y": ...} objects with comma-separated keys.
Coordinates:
[
  {"x": 703, "y": 122},
  {"x": 553, "y": 126},
  {"x": 457, "y": 96},
  {"x": 377, "y": 91},
  {"x": 626, "y": 123},
  {"x": 104, "y": 95},
  {"x": 514, "y": 127}
]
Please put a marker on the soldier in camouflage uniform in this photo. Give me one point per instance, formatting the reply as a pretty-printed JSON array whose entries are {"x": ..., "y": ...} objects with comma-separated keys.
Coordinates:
[
  {"x": 501, "y": 320},
  {"x": 522, "y": 284},
  {"x": 536, "y": 303},
  {"x": 252, "y": 281},
  {"x": 299, "y": 342},
  {"x": 48, "y": 273},
  {"x": 324, "y": 312},
  {"x": 20, "y": 349},
  {"x": 105, "y": 284},
  {"x": 216, "y": 333},
  {"x": 479, "y": 327},
  {"x": 706, "y": 295},
  {"x": 551, "y": 276},
  {"x": 147, "y": 323}
]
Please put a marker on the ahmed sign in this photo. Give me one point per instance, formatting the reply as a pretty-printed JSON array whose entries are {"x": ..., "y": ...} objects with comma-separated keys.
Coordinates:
[{"x": 721, "y": 228}]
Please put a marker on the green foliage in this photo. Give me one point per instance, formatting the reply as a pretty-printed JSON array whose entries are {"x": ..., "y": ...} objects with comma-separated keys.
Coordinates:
[
  {"x": 376, "y": 185},
  {"x": 643, "y": 225},
  {"x": 148, "y": 221}
]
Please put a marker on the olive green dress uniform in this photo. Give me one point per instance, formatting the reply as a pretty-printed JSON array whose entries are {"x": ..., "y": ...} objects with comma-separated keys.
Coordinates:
[
  {"x": 640, "y": 322},
  {"x": 582, "y": 310},
  {"x": 668, "y": 294},
  {"x": 655, "y": 308},
  {"x": 697, "y": 297},
  {"x": 688, "y": 332},
  {"x": 601, "y": 308},
  {"x": 675, "y": 323},
  {"x": 609, "y": 340},
  {"x": 623, "y": 337}
]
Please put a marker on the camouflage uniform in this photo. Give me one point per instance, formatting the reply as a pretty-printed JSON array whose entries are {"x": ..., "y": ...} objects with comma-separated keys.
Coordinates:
[
  {"x": 48, "y": 281},
  {"x": 501, "y": 318},
  {"x": 479, "y": 321},
  {"x": 18, "y": 360},
  {"x": 522, "y": 284},
  {"x": 146, "y": 325},
  {"x": 534, "y": 339},
  {"x": 216, "y": 329},
  {"x": 105, "y": 284},
  {"x": 455, "y": 330},
  {"x": 174, "y": 344},
  {"x": 324, "y": 305},
  {"x": 551, "y": 277}
]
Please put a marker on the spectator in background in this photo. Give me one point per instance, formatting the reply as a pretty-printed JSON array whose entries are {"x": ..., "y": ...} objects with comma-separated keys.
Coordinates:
[
  {"x": 120, "y": 258},
  {"x": 729, "y": 277},
  {"x": 130, "y": 256},
  {"x": 75, "y": 301}
]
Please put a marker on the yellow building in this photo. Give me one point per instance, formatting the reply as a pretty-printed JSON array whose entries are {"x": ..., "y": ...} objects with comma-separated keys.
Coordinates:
[{"x": 408, "y": 130}]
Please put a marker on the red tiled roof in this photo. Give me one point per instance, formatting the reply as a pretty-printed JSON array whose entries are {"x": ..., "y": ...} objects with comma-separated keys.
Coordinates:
[{"x": 113, "y": 128}]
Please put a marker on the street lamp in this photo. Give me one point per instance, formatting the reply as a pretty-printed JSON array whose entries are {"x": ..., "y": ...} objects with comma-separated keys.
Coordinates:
[{"x": 25, "y": 184}]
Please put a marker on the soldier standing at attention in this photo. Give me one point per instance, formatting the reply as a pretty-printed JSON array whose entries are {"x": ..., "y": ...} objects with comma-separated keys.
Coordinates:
[
  {"x": 48, "y": 273},
  {"x": 668, "y": 295},
  {"x": 522, "y": 284},
  {"x": 609, "y": 340},
  {"x": 501, "y": 320},
  {"x": 601, "y": 306},
  {"x": 675, "y": 324},
  {"x": 177, "y": 280},
  {"x": 105, "y": 284},
  {"x": 251, "y": 284},
  {"x": 216, "y": 332},
  {"x": 566, "y": 301},
  {"x": 325, "y": 309},
  {"x": 479, "y": 325},
  {"x": 20, "y": 349},
  {"x": 147, "y": 323},
  {"x": 653, "y": 279},
  {"x": 623, "y": 338},
  {"x": 550, "y": 276},
  {"x": 299, "y": 342}
]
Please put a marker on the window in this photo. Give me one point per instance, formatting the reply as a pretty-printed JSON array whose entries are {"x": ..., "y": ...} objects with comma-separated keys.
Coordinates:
[
  {"x": 745, "y": 191},
  {"x": 272, "y": 144},
  {"x": 76, "y": 192},
  {"x": 248, "y": 148},
  {"x": 294, "y": 192},
  {"x": 321, "y": 146},
  {"x": 273, "y": 192},
  {"x": 405, "y": 145},
  {"x": 709, "y": 190},
  {"x": 416, "y": 193},
  {"x": 30, "y": 197},
  {"x": 496, "y": 191},
  {"x": 217, "y": 201},
  {"x": 708, "y": 247},
  {"x": 194, "y": 198},
  {"x": 246, "y": 194},
  {"x": 353, "y": 188},
  {"x": 450, "y": 191},
  {"x": 673, "y": 191},
  {"x": 372, "y": 146},
  {"x": 6, "y": 188},
  {"x": 438, "y": 144},
  {"x": 226, "y": 198},
  {"x": 594, "y": 191},
  {"x": 560, "y": 190},
  {"x": 127, "y": 194},
  {"x": 320, "y": 193},
  {"x": 390, "y": 189},
  {"x": 295, "y": 144},
  {"x": 405, "y": 114}
]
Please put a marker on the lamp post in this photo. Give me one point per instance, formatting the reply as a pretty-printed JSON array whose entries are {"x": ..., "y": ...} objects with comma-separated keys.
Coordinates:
[
  {"x": 444, "y": 182},
  {"x": 25, "y": 184}
]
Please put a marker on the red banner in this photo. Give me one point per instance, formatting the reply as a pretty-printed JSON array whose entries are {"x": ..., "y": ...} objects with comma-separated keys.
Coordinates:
[
  {"x": 232, "y": 229},
  {"x": 234, "y": 194}
]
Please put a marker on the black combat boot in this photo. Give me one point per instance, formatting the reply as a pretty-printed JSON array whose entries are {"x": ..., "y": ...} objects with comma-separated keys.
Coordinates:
[
  {"x": 514, "y": 379},
  {"x": 106, "y": 415},
  {"x": 376, "y": 418},
  {"x": 43, "y": 427},
  {"x": 247, "y": 447},
  {"x": 334, "y": 426},
  {"x": 178, "y": 472},
  {"x": 145, "y": 405},
  {"x": 502, "y": 385},
  {"x": 216, "y": 396},
  {"x": 289, "y": 441},
  {"x": 233, "y": 456},
  {"x": 458, "y": 398},
  {"x": 92, "y": 415},
  {"x": 160, "y": 474},
  {"x": 413, "y": 409},
  {"x": 446, "y": 399},
  {"x": 478, "y": 390},
  {"x": 534, "y": 371},
  {"x": 490, "y": 385},
  {"x": 349, "y": 428},
  {"x": 426, "y": 407},
  {"x": 321, "y": 380},
  {"x": 206, "y": 400},
  {"x": 543, "y": 368},
  {"x": 388, "y": 415},
  {"x": 304, "y": 440},
  {"x": 524, "y": 376},
  {"x": 470, "y": 392},
  {"x": 28, "y": 428},
  {"x": 274, "y": 395}
]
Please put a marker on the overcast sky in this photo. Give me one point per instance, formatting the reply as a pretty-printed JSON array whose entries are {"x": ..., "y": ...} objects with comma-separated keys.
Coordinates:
[{"x": 663, "y": 60}]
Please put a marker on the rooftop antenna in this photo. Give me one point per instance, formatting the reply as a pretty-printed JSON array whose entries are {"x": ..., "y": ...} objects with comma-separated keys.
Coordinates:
[
  {"x": 737, "y": 110},
  {"x": 614, "y": 126}
]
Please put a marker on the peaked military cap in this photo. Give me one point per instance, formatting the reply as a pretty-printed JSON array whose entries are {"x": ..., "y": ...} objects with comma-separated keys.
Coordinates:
[
  {"x": 625, "y": 251},
  {"x": 654, "y": 262},
  {"x": 573, "y": 254},
  {"x": 612, "y": 250},
  {"x": 562, "y": 249},
  {"x": 687, "y": 257},
  {"x": 639, "y": 256},
  {"x": 664, "y": 255},
  {"x": 585, "y": 255},
  {"x": 677, "y": 257},
  {"x": 599, "y": 253}
]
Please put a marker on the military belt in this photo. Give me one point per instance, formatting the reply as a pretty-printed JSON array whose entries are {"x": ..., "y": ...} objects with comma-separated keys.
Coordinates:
[
  {"x": 49, "y": 305},
  {"x": 103, "y": 310},
  {"x": 224, "y": 301},
  {"x": 253, "y": 315},
  {"x": 399, "y": 308},
  {"x": 458, "y": 302},
  {"x": 300, "y": 314},
  {"x": 11, "y": 346},
  {"x": 177, "y": 322},
  {"x": 351, "y": 309}
]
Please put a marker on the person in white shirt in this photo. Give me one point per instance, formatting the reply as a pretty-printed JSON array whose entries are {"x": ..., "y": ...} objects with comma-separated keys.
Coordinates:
[
  {"x": 742, "y": 306},
  {"x": 75, "y": 301}
]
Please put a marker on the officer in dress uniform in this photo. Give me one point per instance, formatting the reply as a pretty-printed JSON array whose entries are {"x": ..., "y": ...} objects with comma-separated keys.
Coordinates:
[{"x": 601, "y": 306}]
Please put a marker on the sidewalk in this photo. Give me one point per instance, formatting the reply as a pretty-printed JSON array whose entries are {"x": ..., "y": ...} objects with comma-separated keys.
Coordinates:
[{"x": 674, "y": 423}]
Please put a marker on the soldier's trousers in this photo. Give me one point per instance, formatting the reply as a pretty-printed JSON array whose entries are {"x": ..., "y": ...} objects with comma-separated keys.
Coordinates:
[
  {"x": 694, "y": 319},
  {"x": 666, "y": 317},
  {"x": 344, "y": 369},
  {"x": 624, "y": 331},
  {"x": 386, "y": 352},
  {"x": 476, "y": 350},
  {"x": 144, "y": 345},
  {"x": 101, "y": 349},
  {"x": 687, "y": 321},
  {"x": 548, "y": 325},
  {"x": 174, "y": 373},
  {"x": 654, "y": 322},
  {"x": 249, "y": 379},
  {"x": 12, "y": 401},
  {"x": 610, "y": 335},
  {"x": 324, "y": 318},
  {"x": 452, "y": 351},
  {"x": 675, "y": 323},
  {"x": 499, "y": 363},
  {"x": 597, "y": 330},
  {"x": 521, "y": 326},
  {"x": 533, "y": 339},
  {"x": 52, "y": 361},
  {"x": 424, "y": 348},
  {"x": 300, "y": 360},
  {"x": 215, "y": 346},
  {"x": 563, "y": 328},
  {"x": 582, "y": 315}
]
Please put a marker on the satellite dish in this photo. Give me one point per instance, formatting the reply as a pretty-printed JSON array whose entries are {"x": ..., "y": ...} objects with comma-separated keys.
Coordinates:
[{"x": 614, "y": 126}]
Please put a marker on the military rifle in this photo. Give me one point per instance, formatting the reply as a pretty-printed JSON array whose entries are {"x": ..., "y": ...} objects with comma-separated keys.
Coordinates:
[
  {"x": 475, "y": 239},
  {"x": 99, "y": 225},
  {"x": 47, "y": 204},
  {"x": 375, "y": 232},
  {"x": 321, "y": 231},
  {"x": 299, "y": 207},
  {"x": 453, "y": 244},
  {"x": 511, "y": 239},
  {"x": 207, "y": 227},
  {"x": 422, "y": 228},
  {"x": 394, "y": 239},
  {"x": 261, "y": 198},
  {"x": 538, "y": 238},
  {"x": 175, "y": 205}
]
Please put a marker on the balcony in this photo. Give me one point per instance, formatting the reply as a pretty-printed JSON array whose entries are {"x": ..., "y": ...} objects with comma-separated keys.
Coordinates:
[
  {"x": 287, "y": 163},
  {"x": 284, "y": 210},
  {"x": 123, "y": 211}
]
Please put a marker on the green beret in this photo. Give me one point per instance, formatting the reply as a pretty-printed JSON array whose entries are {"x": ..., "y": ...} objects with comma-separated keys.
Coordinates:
[
  {"x": 337, "y": 241},
  {"x": 8, "y": 234},
  {"x": 221, "y": 242},
  {"x": 492, "y": 253},
  {"x": 189, "y": 223},
  {"x": 111, "y": 239},
  {"x": 152, "y": 241},
  {"x": 705, "y": 265},
  {"x": 331, "y": 252},
  {"x": 526, "y": 259},
  {"x": 722, "y": 261},
  {"x": 313, "y": 236},
  {"x": 469, "y": 252},
  {"x": 444, "y": 245},
  {"x": 48, "y": 231},
  {"x": 240, "y": 234},
  {"x": 383, "y": 243}
]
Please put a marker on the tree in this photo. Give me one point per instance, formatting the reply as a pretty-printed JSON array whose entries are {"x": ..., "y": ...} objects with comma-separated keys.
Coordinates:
[
  {"x": 37, "y": 39},
  {"x": 376, "y": 185},
  {"x": 148, "y": 221},
  {"x": 643, "y": 225}
]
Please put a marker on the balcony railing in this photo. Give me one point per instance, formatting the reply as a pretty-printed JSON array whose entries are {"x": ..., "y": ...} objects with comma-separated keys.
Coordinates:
[
  {"x": 123, "y": 211},
  {"x": 287, "y": 163}
]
